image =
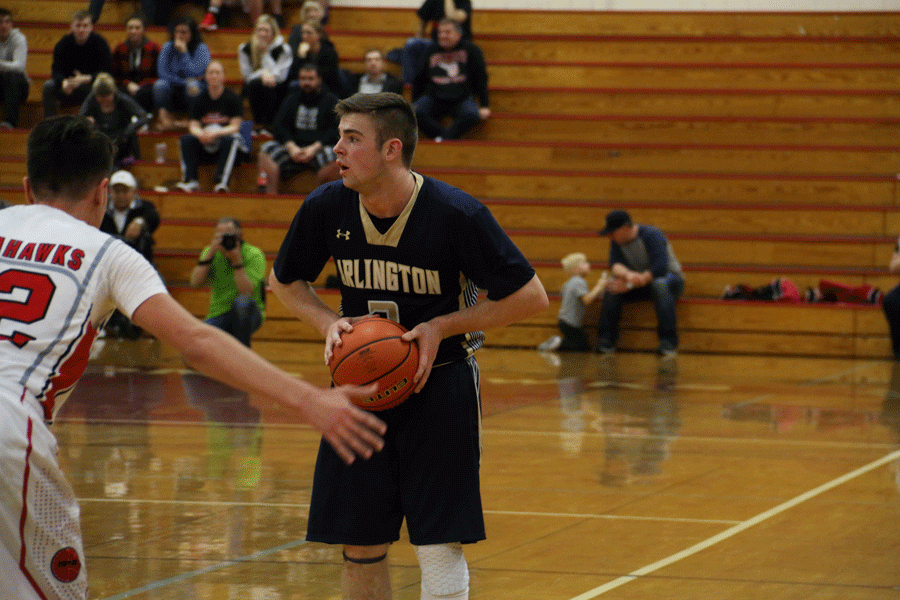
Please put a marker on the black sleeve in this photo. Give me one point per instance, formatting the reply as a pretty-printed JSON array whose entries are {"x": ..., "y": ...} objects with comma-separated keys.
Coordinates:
[
  {"x": 284, "y": 131},
  {"x": 150, "y": 215},
  {"x": 478, "y": 75}
]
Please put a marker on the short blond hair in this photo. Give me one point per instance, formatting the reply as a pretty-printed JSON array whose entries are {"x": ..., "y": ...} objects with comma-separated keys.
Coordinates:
[{"x": 571, "y": 261}]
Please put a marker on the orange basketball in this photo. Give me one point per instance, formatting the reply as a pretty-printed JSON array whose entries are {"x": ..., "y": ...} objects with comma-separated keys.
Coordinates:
[{"x": 373, "y": 352}]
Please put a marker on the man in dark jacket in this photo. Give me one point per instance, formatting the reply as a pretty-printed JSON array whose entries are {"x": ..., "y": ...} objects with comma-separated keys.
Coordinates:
[
  {"x": 452, "y": 74},
  {"x": 128, "y": 216},
  {"x": 133, "y": 220},
  {"x": 306, "y": 130},
  {"x": 77, "y": 58},
  {"x": 376, "y": 79}
]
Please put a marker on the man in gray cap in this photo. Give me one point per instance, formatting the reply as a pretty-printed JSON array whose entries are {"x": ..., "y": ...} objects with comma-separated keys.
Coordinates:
[{"x": 642, "y": 266}]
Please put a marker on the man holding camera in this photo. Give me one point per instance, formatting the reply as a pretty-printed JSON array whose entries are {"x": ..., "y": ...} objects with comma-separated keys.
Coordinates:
[{"x": 235, "y": 272}]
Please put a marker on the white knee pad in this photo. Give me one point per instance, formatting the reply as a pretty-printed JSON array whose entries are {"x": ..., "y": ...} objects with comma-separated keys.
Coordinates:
[{"x": 445, "y": 574}]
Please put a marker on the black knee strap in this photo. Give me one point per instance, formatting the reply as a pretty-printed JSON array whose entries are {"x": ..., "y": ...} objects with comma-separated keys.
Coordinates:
[{"x": 365, "y": 561}]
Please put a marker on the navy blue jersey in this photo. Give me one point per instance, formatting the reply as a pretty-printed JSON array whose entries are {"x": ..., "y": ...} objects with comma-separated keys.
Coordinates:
[{"x": 437, "y": 254}]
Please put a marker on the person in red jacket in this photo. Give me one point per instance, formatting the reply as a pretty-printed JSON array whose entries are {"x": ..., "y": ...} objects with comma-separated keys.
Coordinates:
[{"x": 134, "y": 63}]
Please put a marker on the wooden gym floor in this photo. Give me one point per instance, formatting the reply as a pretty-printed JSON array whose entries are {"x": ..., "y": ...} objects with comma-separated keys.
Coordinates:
[{"x": 626, "y": 477}]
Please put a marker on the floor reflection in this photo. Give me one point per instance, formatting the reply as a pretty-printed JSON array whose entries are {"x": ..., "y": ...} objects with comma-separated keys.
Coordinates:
[{"x": 191, "y": 489}]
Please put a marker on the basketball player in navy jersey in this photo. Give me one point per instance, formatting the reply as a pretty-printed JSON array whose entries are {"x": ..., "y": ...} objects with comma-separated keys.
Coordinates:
[
  {"x": 60, "y": 279},
  {"x": 417, "y": 251}
]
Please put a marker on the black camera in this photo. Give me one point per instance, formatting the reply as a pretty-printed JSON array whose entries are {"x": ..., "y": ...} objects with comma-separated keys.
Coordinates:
[{"x": 229, "y": 241}]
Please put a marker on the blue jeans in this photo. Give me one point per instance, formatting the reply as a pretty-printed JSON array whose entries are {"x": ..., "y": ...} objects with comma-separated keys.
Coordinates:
[
  {"x": 663, "y": 291},
  {"x": 175, "y": 96},
  {"x": 429, "y": 113},
  {"x": 241, "y": 321}
]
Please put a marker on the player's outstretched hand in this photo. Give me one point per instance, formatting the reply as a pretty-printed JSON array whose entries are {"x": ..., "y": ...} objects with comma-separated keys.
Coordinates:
[{"x": 351, "y": 431}]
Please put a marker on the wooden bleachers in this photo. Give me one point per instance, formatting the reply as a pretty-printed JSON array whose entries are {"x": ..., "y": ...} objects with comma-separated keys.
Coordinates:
[{"x": 763, "y": 144}]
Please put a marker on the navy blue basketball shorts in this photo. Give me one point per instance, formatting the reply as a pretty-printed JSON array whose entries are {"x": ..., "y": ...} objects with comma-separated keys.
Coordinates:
[{"x": 428, "y": 472}]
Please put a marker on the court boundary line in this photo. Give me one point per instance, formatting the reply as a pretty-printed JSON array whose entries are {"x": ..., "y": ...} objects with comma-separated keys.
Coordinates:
[
  {"x": 510, "y": 513},
  {"x": 732, "y": 531},
  {"x": 210, "y": 569}
]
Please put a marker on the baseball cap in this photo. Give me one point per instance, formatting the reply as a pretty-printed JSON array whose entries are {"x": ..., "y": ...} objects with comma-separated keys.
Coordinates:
[
  {"x": 614, "y": 220},
  {"x": 124, "y": 178}
]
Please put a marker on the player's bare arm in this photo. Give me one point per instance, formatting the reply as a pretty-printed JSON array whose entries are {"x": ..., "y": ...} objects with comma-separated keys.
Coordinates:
[
  {"x": 351, "y": 432},
  {"x": 303, "y": 302},
  {"x": 528, "y": 300}
]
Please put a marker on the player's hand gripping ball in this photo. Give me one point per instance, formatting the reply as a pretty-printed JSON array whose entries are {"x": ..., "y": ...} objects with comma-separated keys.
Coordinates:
[{"x": 373, "y": 352}]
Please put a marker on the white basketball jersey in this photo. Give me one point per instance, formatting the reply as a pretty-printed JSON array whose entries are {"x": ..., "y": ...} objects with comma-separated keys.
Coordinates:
[{"x": 60, "y": 279}]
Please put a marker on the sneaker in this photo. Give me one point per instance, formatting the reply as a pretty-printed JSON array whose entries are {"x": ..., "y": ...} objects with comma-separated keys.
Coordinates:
[
  {"x": 604, "y": 347},
  {"x": 550, "y": 344},
  {"x": 209, "y": 22},
  {"x": 6, "y": 125},
  {"x": 188, "y": 186},
  {"x": 221, "y": 188}
]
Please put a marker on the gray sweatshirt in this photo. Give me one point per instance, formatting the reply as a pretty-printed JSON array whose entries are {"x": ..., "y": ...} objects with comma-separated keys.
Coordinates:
[{"x": 14, "y": 52}]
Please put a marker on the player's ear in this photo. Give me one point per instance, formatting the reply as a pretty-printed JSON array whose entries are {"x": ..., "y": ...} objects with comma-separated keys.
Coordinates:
[
  {"x": 393, "y": 149},
  {"x": 99, "y": 195}
]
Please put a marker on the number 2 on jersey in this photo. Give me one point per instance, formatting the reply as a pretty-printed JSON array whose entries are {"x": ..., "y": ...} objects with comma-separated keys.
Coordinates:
[{"x": 39, "y": 289}]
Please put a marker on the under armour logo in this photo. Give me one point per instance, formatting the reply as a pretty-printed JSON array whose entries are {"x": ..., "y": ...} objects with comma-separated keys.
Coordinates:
[{"x": 343, "y": 234}]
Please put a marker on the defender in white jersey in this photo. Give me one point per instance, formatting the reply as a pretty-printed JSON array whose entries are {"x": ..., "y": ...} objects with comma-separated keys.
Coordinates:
[{"x": 60, "y": 278}]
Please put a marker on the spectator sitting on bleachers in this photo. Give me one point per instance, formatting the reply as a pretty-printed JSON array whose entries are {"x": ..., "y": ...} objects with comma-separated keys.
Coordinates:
[
  {"x": 133, "y": 220},
  {"x": 314, "y": 10},
  {"x": 265, "y": 61},
  {"x": 14, "y": 82},
  {"x": 451, "y": 75},
  {"x": 118, "y": 115},
  {"x": 128, "y": 216},
  {"x": 376, "y": 79},
  {"x": 642, "y": 266},
  {"x": 430, "y": 14},
  {"x": 182, "y": 63},
  {"x": 306, "y": 130},
  {"x": 134, "y": 63},
  {"x": 310, "y": 44},
  {"x": 216, "y": 133},
  {"x": 77, "y": 58}
]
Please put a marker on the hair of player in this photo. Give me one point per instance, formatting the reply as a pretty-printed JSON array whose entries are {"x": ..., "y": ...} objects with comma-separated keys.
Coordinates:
[
  {"x": 67, "y": 157},
  {"x": 394, "y": 118},
  {"x": 4, "y": 12}
]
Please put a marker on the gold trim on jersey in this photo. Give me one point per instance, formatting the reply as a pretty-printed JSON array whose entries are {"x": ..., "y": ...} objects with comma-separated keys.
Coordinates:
[{"x": 392, "y": 236}]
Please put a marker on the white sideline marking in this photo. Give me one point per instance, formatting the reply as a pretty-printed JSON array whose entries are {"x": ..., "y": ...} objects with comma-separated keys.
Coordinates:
[{"x": 731, "y": 532}]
